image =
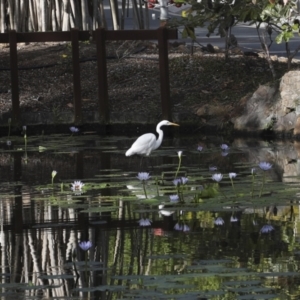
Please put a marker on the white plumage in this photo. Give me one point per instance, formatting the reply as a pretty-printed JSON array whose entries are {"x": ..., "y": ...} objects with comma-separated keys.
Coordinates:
[{"x": 146, "y": 143}]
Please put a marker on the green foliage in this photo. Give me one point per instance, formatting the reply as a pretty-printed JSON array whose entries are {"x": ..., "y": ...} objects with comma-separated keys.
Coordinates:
[{"x": 220, "y": 16}]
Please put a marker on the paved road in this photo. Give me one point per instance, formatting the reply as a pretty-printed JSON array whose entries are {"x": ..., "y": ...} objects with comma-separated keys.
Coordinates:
[{"x": 246, "y": 35}]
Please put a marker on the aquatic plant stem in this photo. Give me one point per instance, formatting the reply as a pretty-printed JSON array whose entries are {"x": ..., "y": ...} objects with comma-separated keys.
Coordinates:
[
  {"x": 25, "y": 139},
  {"x": 263, "y": 183},
  {"x": 179, "y": 164},
  {"x": 9, "y": 126},
  {"x": 86, "y": 275},
  {"x": 224, "y": 195},
  {"x": 180, "y": 193},
  {"x": 233, "y": 187},
  {"x": 252, "y": 188},
  {"x": 156, "y": 183},
  {"x": 144, "y": 187}
]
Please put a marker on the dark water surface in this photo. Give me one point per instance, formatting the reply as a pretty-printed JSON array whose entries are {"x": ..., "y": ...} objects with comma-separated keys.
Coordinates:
[{"x": 233, "y": 239}]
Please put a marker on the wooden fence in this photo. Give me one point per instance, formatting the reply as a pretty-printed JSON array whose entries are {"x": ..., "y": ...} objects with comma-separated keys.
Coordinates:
[{"x": 162, "y": 35}]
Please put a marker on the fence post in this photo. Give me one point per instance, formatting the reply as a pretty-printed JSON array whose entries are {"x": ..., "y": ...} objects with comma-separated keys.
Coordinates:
[
  {"x": 102, "y": 76},
  {"x": 16, "y": 118},
  {"x": 76, "y": 76},
  {"x": 164, "y": 73}
]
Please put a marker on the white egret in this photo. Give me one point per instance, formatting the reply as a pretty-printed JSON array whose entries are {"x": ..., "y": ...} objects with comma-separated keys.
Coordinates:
[{"x": 146, "y": 143}]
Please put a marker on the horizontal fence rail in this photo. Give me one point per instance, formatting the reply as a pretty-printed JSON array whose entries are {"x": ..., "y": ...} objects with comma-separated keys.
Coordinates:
[{"x": 162, "y": 35}]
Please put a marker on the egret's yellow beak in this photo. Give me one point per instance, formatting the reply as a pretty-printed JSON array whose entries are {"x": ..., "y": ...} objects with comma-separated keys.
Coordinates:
[{"x": 174, "y": 124}]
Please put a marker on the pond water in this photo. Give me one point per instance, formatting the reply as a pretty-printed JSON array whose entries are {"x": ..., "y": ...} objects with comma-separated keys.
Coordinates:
[{"x": 225, "y": 229}]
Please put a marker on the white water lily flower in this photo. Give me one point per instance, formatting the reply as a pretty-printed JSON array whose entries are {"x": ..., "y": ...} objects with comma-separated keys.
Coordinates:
[
  {"x": 199, "y": 148},
  {"x": 265, "y": 166},
  {"x": 232, "y": 175},
  {"x": 213, "y": 168},
  {"x": 233, "y": 219},
  {"x": 179, "y": 154},
  {"x": 77, "y": 185},
  {"x": 217, "y": 177},
  {"x": 164, "y": 212},
  {"x": 53, "y": 174}
]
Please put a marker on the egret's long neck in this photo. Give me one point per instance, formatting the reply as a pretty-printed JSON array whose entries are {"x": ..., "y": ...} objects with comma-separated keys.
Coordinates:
[{"x": 160, "y": 136}]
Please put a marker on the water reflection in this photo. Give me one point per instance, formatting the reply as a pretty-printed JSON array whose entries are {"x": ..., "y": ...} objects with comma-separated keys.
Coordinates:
[{"x": 216, "y": 240}]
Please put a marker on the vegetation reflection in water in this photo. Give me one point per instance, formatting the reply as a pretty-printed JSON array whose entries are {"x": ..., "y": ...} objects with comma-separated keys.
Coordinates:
[{"x": 211, "y": 221}]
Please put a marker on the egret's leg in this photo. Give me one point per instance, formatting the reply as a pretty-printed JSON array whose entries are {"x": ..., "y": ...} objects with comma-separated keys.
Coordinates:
[{"x": 141, "y": 163}]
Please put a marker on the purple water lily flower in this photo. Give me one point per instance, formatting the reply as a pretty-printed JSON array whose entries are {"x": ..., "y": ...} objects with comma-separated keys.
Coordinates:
[
  {"x": 174, "y": 198},
  {"x": 143, "y": 176},
  {"x": 179, "y": 181},
  {"x": 224, "y": 147},
  {"x": 74, "y": 129},
  {"x": 178, "y": 226},
  {"x": 219, "y": 221},
  {"x": 85, "y": 246},
  {"x": 144, "y": 222},
  {"x": 184, "y": 180},
  {"x": 182, "y": 227},
  {"x": 267, "y": 228},
  {"x": 265, "y": 166}
]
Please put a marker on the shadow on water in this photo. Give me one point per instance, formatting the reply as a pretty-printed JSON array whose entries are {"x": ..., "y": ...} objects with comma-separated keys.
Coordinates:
[{"x": 212, "y": 223}]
